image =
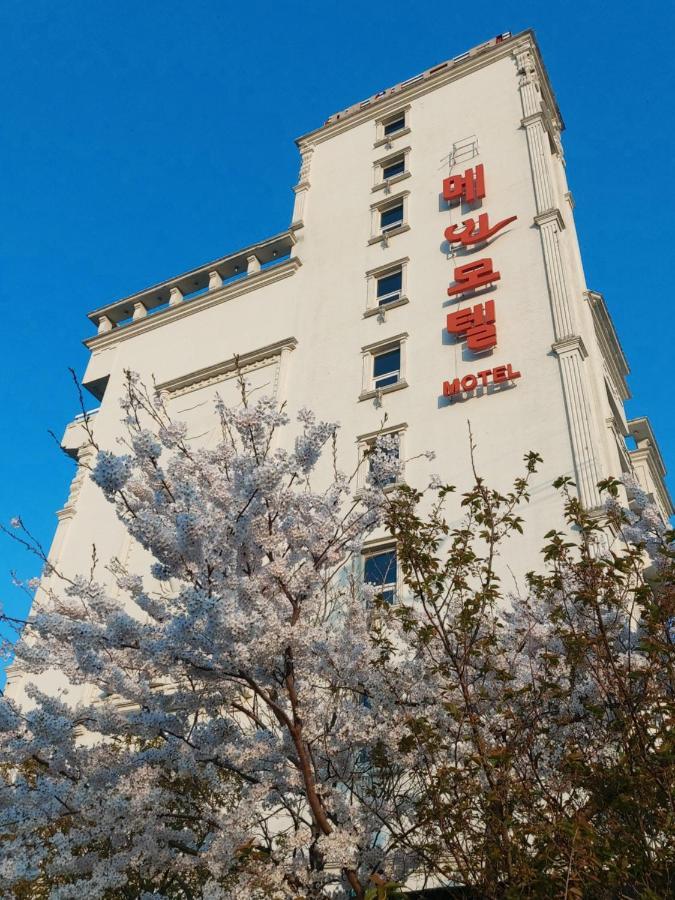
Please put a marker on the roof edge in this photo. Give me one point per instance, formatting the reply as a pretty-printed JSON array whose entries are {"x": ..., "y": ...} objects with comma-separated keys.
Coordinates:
[{"x": 390, "y": 98}]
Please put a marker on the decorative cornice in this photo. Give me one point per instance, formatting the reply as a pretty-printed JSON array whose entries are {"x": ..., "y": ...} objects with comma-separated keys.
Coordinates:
[
  {"x": 384, "y": 309},
  {"x": 641, "y": 429},
  {"x": 549, "y": 216},
  {"x": 438, "y": 76},
  {"x": 573, "y": 343},
  {"x": 390, "y": 155},
  {"x": 383, "y": 342},
  {"x": 388, "y": 141},
  {"x": 384, "y": 237},
  {"x": 391, "y": 199},
  {"x": 228, "y": 292},
  {"x": 608, "y": 340},
  {"x": 67, "y": 512},
  {"x": 245, "y": 362},
  {"x": 386, "y": 185},
  {"x": 383, "y": 267},
  {"x": 210, "y": 275},
  {"x": 378, "y": 392},
  {"x": 648, "y": 454},
  {"x": 388, "y": 429}
]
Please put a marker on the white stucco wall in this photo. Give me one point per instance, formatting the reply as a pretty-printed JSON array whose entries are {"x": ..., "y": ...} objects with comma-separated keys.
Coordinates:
[{"x": 546, "y": 329}]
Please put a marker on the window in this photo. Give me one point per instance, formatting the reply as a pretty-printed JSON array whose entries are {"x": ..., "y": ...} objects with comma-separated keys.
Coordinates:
[
  {"x": 386, "y": 287},
  {"x": 386, "y": 368},
  {"x": 382, "y": 454},
  {"x": 388, "y": 218},
  {"x": 391, "y": 217},
  {"x": 393, "y": 125},
  {"x": 389, "y": 287},
  {"x": 393, "y": 167},
  {"x": 380, "y": 569}
]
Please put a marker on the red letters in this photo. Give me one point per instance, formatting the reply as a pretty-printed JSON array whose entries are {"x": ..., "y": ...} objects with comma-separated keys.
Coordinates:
[
  {"x": 477, "y": 324},
  {"x": 469, "y": 383},
  {"x": 473, "y": 275},
  {"x": 470, "y": 186},
  {"x": 471, "y": 235}
]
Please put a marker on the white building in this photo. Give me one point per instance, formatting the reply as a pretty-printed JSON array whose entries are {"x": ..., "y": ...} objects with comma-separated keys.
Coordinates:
[{"x": 347, "y": 312}]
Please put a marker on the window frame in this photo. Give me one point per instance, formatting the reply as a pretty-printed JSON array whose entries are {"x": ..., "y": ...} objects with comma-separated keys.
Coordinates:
[
  {"x": 387, "y": 124},
  {"x": 386, "y": 227},
  {"x": 396, "y": 162},
  {"x": 380, "y": 548},
  {"x": 385, "y": 121},
  {"x": 380, "y": 234},
  {"x": 374, "y": 276},
  {"x": 380, "y": 182},
  {"x": 384, "y": 379},
  {"x": 384, "y": 299},
  {"x": 369, "y": 354},
  {"x": 366, "y": 441}
]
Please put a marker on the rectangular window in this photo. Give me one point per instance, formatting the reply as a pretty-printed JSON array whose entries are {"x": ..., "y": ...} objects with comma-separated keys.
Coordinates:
[
  {"x": 380, "y": 569},
  {"x": 394, "y": 125},
  {"x": 392, "y": 217},
  {"x": 389, "y": 287},
  {"x": 391, "y": 449},
  {"x": 393, "y": 168},
  {"x": 383, "y": 370},
  {"x": 386, "y": 367}
]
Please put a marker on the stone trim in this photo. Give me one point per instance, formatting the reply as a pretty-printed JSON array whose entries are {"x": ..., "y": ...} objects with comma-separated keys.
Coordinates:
[
  {"x": 446, "y": 72},
  {"x": 389, "y": 389},
  {"x": 255, "y": 359},
  {"x": 197, "y": 304}
]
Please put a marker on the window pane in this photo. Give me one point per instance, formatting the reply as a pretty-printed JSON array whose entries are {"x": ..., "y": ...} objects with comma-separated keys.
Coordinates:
[
  {"x": 390, "y": 452},
  {"x": 380, "y": 568},
  {"x": 387, "y": 362},
  {"x": 394, "y": 125},
  {"x": 391, "y": 217},
  {"x": 393, "y": 168},
  {"x": 389, "y": 287}
]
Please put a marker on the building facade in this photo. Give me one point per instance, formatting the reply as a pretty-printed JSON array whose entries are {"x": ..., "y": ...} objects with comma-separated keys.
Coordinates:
[{"x": 430, "y": 277}]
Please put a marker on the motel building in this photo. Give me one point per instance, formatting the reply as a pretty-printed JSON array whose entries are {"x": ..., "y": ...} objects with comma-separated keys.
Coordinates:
[{"x": 430, "y": 277}]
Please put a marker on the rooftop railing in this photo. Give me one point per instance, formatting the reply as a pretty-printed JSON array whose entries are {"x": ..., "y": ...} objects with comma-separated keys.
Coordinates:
[{"x": 207, "y": 278}]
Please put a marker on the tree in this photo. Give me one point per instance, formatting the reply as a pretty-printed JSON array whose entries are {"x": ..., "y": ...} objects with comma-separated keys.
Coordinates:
[
  {"x": 543, "y": 746},
  {"x": 254, "y": 722}
]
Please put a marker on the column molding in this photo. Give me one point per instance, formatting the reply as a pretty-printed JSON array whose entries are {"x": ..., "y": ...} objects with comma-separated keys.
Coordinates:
[{"x": 568, "y": 346}]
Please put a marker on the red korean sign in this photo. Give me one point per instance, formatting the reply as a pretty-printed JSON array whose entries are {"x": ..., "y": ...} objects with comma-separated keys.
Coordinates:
[{"x": 475, "y": 323}]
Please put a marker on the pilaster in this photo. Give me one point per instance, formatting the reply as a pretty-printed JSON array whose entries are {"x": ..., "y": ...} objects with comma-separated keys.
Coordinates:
[
  {"x": 302, "y": 187},
  {"x": 571, "y": 354},
  {"x": 85, "y": 457},
  {"x": 568, "y": 345}
]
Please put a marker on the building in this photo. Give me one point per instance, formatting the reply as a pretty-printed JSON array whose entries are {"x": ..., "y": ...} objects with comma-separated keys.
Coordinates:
[{"x": 431, "y": 274}]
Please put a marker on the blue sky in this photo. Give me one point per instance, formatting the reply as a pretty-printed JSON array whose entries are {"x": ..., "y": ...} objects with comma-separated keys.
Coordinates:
[{"x": 140, "y": 140}]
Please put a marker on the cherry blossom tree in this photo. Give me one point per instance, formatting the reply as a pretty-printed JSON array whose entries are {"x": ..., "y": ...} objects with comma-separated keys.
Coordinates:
[
  {"x": 252, "y": 721},
  {"x": 221, "y": 730}
]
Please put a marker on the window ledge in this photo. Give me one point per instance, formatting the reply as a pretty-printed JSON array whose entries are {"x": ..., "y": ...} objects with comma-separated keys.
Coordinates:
[
  {"x": 389, "y": 181},
  {"x": 386, "y": 489},
  {"x": 389, "y": 389},
  {"x": 380, "y": 238},
  {"x": 391, "y": 137},
  {"x": 393, "y": 486},
  {"x": 381, "y": 310}
]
